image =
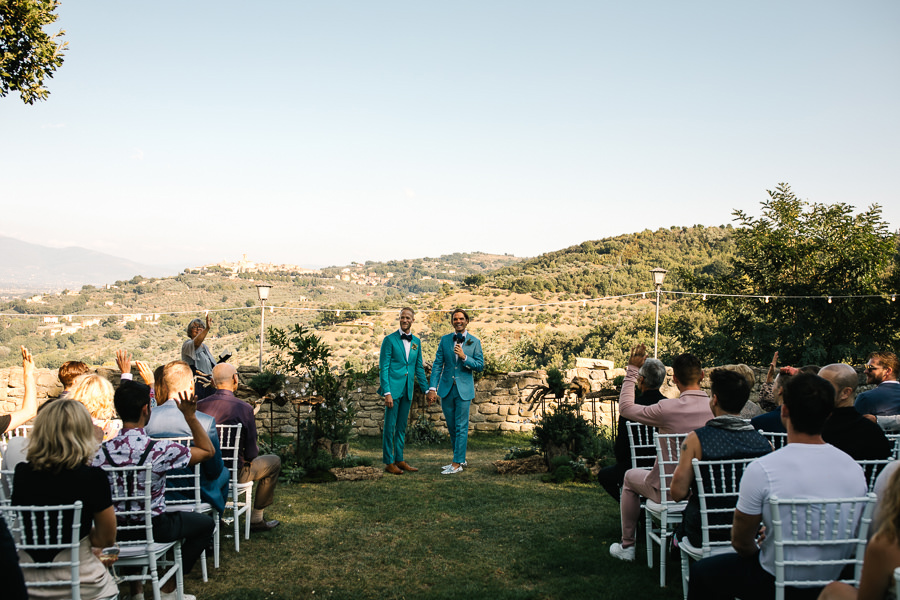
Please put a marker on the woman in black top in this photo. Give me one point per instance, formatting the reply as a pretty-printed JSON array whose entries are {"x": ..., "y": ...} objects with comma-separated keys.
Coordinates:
[{"x": 61, "y": 445}]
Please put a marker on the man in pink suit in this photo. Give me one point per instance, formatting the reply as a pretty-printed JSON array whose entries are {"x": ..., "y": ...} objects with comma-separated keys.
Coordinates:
[{"x": 684, "y": 414}]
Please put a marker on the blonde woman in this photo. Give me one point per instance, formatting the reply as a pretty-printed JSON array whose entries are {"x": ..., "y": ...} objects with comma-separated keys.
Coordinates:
[
  {"x": 882, "y": 554},
  {"x": 95, "y": 392},
  {"x": 61, "y": 446}
]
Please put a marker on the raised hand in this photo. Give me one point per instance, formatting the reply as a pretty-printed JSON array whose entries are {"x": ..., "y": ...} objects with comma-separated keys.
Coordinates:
[
  {"x": 145, "y": 371},
  {"x": 123, "y": 360},
  {"x": 638, "y": 356},
  {"x": 187, "y": 404},
  {"x": 27, "y": 362}
]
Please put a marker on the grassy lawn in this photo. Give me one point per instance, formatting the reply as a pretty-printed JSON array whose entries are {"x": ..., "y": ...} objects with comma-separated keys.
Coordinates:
[{"x": 427, "y": 535}]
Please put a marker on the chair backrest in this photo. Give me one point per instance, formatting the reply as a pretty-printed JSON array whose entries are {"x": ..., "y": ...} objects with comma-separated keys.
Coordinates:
[
  {"x": 229, "y": 443},
  {"x": 718, "y": 484},
  {"x": 6, "y": 485},
  {"x": 20, "y": 431},
  {"x": 872, "y": 468},
  {"x": 814, "y": 539},
  {"x": 776, "y": 438},
  {"x": 895, "y": 442},
  {"x": 668, "y": 453},
  {"x": 643, "y": 447},
  {"x": 182, "y": 485},
  {"x": 55, "y": 530},
  {"x": 132, "y": 498}
]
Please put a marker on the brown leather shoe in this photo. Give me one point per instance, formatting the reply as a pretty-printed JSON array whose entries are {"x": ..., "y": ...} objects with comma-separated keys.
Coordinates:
[
  {"x": 265, "y": 525},
  {"x": 393, "y": 469},
  {"x": 405, "y": 466}
]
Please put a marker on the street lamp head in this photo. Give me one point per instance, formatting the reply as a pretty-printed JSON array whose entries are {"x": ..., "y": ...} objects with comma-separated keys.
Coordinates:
[
  {"x": 263, "y": 290},
  {"x": 658, "y": 276}
]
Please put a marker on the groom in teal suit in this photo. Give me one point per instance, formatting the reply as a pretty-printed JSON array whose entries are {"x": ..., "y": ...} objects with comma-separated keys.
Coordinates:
[
  {"x": 400, "y": 367},
  {"x": 458, "y": 357}
]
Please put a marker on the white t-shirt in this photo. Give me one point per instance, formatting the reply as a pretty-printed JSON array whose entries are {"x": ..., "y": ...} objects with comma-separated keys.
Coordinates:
[{"x": 799, "y": 471}]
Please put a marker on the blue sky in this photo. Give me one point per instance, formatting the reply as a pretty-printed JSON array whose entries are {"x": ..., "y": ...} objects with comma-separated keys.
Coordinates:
[{"x": 324, "y": 132}]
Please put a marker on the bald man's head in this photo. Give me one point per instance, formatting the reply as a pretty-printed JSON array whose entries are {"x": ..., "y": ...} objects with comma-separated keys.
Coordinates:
[
  {"x": 224, "y": 377},
  {"x": 845, "y": 380}
]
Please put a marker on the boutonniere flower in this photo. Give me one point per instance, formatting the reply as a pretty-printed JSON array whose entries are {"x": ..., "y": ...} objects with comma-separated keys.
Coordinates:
[
  {"x": 413, "y": 347},
  {"x": 468, "y": 342}
]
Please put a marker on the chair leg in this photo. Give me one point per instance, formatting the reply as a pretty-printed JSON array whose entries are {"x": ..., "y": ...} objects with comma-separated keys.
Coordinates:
[
  {"x": 154, "y": 584},
  {"x": 236, "y": 513},
  {"x": 216, "y": 540},
  {"x": 179, "y": 572},
  {"x": 248, "y": 510},
  {"x": 648, "y": 538},
  {"x": 663, "y": 548},
  {"x": 685, "y": 573}
]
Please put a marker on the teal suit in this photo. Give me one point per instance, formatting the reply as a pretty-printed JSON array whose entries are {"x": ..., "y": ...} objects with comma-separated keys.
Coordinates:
[
  {"x": 397, "y": 376},
  {"x": 455, "y": 383}
]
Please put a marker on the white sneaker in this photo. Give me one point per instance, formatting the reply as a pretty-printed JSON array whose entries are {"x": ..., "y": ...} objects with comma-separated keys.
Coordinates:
[
  {"x": 452, "y": 471},
  {"x": 174, "y": 596},
  {"x": 621, "y": 553},
  {"x": 450, "y": 466}
]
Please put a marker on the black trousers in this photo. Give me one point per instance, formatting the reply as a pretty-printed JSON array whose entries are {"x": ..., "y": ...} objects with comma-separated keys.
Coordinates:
[
  {"x": 10, "y": 573},
  {"x": 611, "y": 478},
  {"x": 728, "y": 576},
  {"x": 194, "y": 529}
]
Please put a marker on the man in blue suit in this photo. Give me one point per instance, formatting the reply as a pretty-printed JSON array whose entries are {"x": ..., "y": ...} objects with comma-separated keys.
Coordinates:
[
  {"x": 458, "y": 357},
  {"x": 166, "y": 420},
  {"x": 400, "y": 367}
]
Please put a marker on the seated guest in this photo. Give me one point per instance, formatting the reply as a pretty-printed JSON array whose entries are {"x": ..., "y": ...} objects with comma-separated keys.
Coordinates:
[
  {"x": 96, "y": 393},
  {"x": 806, "y": 468},
  {"x": 881, "y": 370},
  {"x": 766, "y": 388},
  {"x": 123, "y": 361},
  {"x": 68, "y": 374},
  {"x": 17, "y": 418},
  {"x": 882, "y": 553},
  {"x": 61, "y": 445},
  {"x": 726, "y": 436},
  {"x": 166, "y": 420},
  {"x": 14, "y": 449},
  {"x": 10, "y": 573},
  {"x": 650, "y": 378},
  {"x": 134, "y": 447},
  {"x": 684, "y": 414},
  {"x": 264, "y": 469},
  {"x": 751, "y": 409},
  {"x": 846, "y": 429},
  {"x": 771, "y": 421}
]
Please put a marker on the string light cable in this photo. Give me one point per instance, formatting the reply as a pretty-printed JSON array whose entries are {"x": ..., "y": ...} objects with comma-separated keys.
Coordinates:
[{"x": 521, "y": 307}]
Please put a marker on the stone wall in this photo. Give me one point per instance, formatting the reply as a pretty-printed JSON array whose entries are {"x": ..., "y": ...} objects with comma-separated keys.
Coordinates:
[{"x": 501, "y": 401}]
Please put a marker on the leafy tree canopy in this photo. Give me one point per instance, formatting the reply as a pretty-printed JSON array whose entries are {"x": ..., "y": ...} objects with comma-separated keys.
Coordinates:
[
  {"x": 802, "y": 249},
  {"x": 28, "y": 54}
]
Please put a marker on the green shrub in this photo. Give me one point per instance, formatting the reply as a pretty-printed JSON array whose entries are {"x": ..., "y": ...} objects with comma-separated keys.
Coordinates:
[
  {"x": 516, "y": 452},
  {"x": 423, "y": 432},
  {"x": 565, "y": 428}
]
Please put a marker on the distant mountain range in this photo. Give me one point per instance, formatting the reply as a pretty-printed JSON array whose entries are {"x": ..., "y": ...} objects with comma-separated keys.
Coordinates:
[{"x": 31, "y": 267}]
